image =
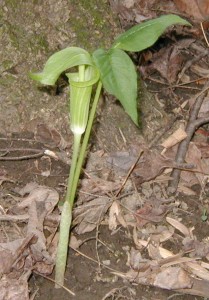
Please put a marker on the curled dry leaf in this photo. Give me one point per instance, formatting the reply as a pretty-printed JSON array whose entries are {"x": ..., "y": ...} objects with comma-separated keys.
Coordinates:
[
  {"x": 178, "y": 136},
  {"x": 50, "y": 136},
  {"x": 178, "y": 225},
  {"x": 116, "y": 216},
  {"x": 163, "y": 252},
  {"x": 113, "y": 213}
]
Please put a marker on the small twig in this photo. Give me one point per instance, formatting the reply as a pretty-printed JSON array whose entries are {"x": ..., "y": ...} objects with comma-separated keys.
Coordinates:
[
  {"x": 180, "y": 85},
  {"x": 95, "y": 261},
  {"x": 52, "y": 280},
  {"x": 129, "y": 173},
  {"x": 203, "y": 31},
  {"x": 193, "y": 123},
  {"x": 38, "y": 153}
]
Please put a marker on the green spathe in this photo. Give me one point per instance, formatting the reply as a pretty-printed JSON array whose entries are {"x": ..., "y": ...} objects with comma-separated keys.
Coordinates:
[
  {"x": 60, "y": 62},
  {"x": 80, "y": 96}
]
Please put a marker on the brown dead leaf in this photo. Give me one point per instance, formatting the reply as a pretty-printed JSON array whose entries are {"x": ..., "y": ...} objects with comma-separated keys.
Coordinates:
[
  {"x": 154, "y": 251},
  {"x": 187, "y": 232},
  {"x": 11, "y": 253},
  {"x": 122, "y": 161},
  {"x": 74, "y": 242},
  {"x": 40, "y": 202},
  {"x": 89, "y": 215},
  {"x": 113, "y": 213},
  {"x": 197, "y": 270},
  {"x": 94, "y": 186},
  {"x": 204, "y": 148},
  {"x": 137, "y": 262},
  {"x": 43, "y": 268},
  {"x": 150, "y": 165},
  {"x": 185, "y": 190},
  {"x": 148, "y": 214},
  {"x": 173, "y": 278},
  {"x": 133, "y": 10},
  {"x": 50, "y": 136},
  {"x": 200, "y": 71},
  {"x": 167, "y": 62},
  {"x": 199, "y": 9},
  {"x": 176, "y": 137},
  {"x": 14, "y": 288},
  {"x": 194, "y": 156},
  {"x": 197, "y": 248}
]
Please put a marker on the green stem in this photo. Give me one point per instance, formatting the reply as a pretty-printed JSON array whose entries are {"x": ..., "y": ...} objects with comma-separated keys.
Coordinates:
[
  {"x": 75, "y": 170},
  {"x": 85, "y": 142},
  {"x": 66, "y": 218},
  {"x": 62, "y": 249},
  {"x": 76, "y": 146}
]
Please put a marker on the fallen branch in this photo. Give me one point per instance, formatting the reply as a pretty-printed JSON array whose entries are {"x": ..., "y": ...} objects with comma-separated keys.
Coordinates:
[{"x": 193, "y": 124}]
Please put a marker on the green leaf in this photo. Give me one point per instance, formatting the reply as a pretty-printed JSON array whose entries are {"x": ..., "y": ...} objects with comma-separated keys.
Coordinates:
[
  {"x": 61, "y": 61},
  {"x": 144, "y": 35},
  {"x": 119, "y": 78}
]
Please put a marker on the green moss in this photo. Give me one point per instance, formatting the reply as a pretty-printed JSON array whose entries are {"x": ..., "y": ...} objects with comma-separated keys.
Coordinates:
[
  {"x": 7, "y": 80},
  {"x": 91, "y": 23}
]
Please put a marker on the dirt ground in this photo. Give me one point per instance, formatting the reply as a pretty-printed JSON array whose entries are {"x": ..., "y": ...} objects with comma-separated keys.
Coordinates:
[
  {"x": 106, "y": 260},
  {"x": 85, "y": 277}
]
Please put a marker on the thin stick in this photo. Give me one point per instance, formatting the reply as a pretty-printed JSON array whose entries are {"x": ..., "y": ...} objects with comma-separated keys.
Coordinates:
[
  {"x": 203, "y": 31},
  {"x": 95, "y": 261},
  {"x": 3, "y": 157},
  {"x": 129, "y": 173},
  {"x": 52, "y": 280}
]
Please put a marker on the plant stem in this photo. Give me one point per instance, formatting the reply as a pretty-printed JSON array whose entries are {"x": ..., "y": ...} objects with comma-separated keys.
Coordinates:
[
  {"x": 76, "y": 146},
  {"x": 75, "y": 170},
  {"x": 66, "y": 218},
  {"x": 62, "y": 249}
]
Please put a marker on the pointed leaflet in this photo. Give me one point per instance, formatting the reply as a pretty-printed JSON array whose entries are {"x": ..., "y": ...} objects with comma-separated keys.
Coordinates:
[
  {"x": 118, "y": 75},
  {"x": 146, "y": 34},
  {"x": 61, "y": 61}
]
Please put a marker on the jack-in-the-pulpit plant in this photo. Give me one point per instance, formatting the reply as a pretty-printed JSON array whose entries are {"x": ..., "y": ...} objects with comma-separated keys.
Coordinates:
[{"x": 112, "y": 69}]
